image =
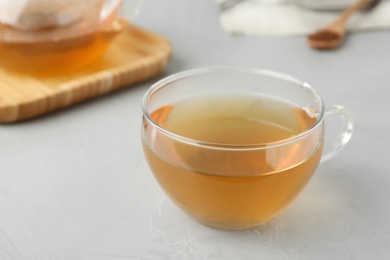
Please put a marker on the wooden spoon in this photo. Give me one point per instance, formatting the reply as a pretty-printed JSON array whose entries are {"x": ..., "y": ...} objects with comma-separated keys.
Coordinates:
[{"x": 333, "y": 35}]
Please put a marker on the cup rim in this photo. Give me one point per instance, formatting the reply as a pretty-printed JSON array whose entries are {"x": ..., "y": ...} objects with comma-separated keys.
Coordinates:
[{"x": 232, "y": 147}]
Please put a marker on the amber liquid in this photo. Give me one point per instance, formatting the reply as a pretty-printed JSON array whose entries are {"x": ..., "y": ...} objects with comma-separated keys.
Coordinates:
[
  {"x": 53, "y": 57},
  {"x": 225, "y": 188}
]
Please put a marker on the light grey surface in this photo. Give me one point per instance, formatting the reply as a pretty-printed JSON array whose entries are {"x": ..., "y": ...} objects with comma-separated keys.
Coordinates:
[{"x": 75, "y": 185}]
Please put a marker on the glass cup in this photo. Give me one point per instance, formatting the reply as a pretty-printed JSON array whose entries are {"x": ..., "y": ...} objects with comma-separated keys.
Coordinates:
[
  {"x": 233, "y": 147},
  {"x": 56, "y": 36}
]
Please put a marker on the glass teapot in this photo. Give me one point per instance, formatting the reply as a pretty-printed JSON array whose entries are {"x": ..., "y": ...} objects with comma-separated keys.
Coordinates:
[{"x": 54, "y": 36}]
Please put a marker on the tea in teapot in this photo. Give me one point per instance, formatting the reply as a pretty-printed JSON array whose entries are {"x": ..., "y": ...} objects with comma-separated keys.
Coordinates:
[{"x": 56, "y": 36}]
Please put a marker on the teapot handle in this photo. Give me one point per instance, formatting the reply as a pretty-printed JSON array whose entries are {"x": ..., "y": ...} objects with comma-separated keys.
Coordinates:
[{"x": 111, "y": 7}]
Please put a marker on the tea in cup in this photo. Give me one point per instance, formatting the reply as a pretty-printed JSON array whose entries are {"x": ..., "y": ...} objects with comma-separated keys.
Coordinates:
[
  {"x": 55, "y": 36},
  {"x": 233, "y": 147}
]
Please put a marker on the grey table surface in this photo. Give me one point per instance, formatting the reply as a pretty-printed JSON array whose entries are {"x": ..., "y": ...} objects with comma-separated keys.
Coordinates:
[{"x": 75, "y": 185}]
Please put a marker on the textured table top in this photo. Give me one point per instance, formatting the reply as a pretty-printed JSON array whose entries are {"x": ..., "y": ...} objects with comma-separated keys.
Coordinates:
[{"x": 75, "y": 184}]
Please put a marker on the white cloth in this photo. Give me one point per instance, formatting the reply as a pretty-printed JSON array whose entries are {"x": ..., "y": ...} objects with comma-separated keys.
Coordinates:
[{"x": 295, "y": 17}]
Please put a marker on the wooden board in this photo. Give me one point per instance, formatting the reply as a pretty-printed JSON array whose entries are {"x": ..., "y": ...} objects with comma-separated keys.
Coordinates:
[{"x": 133, "y": 56}]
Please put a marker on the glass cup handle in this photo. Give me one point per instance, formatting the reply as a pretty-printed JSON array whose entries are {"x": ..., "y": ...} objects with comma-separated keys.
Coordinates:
[{"x": 344, "y": 134}]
